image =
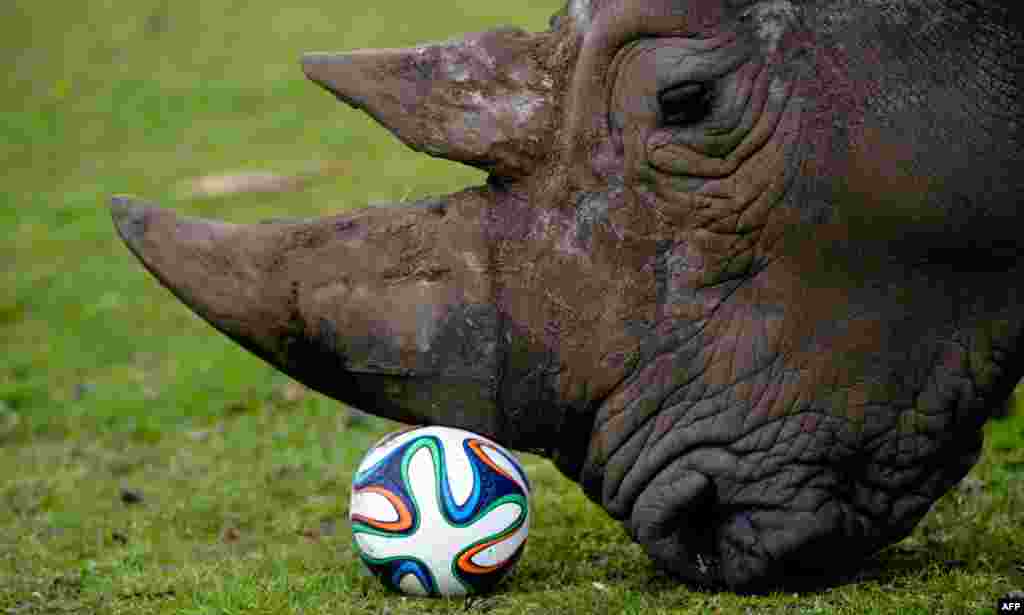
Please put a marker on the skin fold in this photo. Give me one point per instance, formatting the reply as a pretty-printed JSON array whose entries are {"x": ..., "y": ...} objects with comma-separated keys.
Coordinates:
[{"x": 746, "y": 271}]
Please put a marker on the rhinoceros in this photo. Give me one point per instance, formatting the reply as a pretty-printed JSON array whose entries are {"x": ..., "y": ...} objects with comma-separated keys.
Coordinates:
[{"x": 747, "y": 271}]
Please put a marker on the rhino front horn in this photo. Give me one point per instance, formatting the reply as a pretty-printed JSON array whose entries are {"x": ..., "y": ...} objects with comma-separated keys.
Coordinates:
[
  {"x": 483, "y": 100},
  {"x": 387, "y": 309}
]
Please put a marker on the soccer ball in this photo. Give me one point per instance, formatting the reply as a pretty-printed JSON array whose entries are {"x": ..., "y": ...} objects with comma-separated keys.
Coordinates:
[{"x": 437, "y": 511}]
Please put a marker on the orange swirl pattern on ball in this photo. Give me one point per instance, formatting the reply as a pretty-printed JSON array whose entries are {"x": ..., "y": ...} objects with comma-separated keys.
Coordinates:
[
  {"x": 465, "y": 561},
  {"x": 477, "y": 447},
  {"x": 404, "y": 521}
]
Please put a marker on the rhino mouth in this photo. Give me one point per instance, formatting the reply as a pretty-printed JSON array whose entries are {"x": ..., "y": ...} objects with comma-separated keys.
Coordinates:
[
  {"x": 805, "y": 525},
  {"x": 797, "y": 502}
]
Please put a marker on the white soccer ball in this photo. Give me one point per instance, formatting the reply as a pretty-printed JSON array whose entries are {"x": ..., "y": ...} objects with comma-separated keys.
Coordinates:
[{"x": 437, "y": 511}]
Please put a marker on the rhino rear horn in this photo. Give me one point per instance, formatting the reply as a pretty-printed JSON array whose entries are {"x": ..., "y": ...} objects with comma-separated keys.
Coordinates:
[{"x": 483, "y": 100}]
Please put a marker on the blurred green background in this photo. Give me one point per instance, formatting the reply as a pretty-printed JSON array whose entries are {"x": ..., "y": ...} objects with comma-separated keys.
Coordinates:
[
  {"x": 148, "y": 464},
  {"x": 138, "y": 97}
]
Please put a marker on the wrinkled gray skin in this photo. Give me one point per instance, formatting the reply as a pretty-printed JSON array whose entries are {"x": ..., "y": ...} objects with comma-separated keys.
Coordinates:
[{"x": 747, "y": 271}]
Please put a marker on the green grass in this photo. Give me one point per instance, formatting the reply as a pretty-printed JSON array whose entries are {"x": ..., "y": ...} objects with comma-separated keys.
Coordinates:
[{"x": 109, "y": 386}]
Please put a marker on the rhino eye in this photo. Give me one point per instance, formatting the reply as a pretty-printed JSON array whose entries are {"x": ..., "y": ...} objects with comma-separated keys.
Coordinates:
[{"x": 686, "y": 103}]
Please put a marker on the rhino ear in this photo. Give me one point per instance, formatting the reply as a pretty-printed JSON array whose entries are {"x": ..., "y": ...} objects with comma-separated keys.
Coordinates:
[{"x": 484, "y": 100}]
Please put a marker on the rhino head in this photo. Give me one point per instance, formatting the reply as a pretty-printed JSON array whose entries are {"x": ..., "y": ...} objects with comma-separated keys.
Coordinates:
[{"x": 748, "y": 271}]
